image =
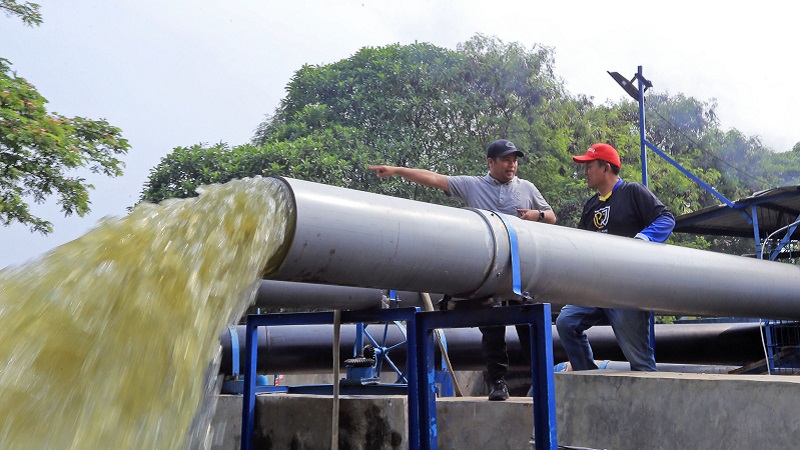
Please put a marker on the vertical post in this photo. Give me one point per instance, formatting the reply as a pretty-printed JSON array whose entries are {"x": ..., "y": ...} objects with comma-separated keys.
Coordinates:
[
  {"x": 426, "y": 382},
  {"x": 337, "y": 327},
  {"x": 544, "y": 396},
  {"x": 248, "y": 393},
  {"x": 358, "y": 345},
  {"x": 639, "y": 78},
  {"x": 412, "y": 367},
  {"x": 754, "y": 215},
  {"x": 645, "y": 182}
]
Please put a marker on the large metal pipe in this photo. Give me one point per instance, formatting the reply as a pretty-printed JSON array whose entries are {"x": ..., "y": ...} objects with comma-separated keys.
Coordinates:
[
  {"x": 354, "y": 238},
  {"x": 307, "y": 348}
]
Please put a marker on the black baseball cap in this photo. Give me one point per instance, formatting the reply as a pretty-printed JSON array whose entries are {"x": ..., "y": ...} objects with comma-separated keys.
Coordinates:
[{"x": 502, "y": 147}]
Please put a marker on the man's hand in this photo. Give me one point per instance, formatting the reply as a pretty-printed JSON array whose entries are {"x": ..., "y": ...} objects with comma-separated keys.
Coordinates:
[
  {"x": 384, "y": 171},
  {"x": 528, "y": 214},
  {"x": 419, "y": 176},
  {"x": 537, "y": 215}
]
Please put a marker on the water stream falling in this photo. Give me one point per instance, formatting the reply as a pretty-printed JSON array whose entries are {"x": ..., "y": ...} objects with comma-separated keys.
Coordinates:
[{"x": 108, "y": 341}]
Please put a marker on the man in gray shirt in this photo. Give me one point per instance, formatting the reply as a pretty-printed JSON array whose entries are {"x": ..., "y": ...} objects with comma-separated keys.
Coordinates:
[{"x": 499, "y": 190}]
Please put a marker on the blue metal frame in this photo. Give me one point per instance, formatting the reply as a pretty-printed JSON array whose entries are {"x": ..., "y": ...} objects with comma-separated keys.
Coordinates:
[
  {"x": 784, "y": 241},
  {"x": 420, "y": 363},
  {"x": 689, "y": 174},
  {"x": 642, "y": 84},
  {"x": 327, "y": 317},
  {"x": 742, "y": 208},
  {"x": 539, "y": 318}
]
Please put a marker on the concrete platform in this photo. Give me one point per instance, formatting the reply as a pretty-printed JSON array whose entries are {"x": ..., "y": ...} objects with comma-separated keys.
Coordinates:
[
  {"x": 597, "y": 409},
  {"x": 634, "y": 410}
]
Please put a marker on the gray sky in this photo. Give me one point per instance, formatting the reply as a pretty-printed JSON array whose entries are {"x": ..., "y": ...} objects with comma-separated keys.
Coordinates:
[{"x": 177, "y": 73}]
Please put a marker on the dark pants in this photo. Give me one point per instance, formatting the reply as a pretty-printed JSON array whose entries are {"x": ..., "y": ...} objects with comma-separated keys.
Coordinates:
[
  {"x": 496, "y": 352},
  {"x": 493, "y": 341}
]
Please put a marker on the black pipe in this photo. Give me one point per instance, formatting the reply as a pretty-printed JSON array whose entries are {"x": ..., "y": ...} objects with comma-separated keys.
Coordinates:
[{"x": 303, "y": 349}]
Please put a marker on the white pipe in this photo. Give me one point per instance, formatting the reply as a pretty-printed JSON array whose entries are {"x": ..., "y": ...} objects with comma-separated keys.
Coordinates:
[{"x": 354, "y": 238}]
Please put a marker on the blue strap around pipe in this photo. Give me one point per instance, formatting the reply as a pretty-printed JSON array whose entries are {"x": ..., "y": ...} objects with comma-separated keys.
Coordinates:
[{"x": 516, "y": 278}]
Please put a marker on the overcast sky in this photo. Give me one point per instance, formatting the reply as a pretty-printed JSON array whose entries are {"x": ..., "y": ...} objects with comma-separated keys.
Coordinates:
[{"x": 178, "y": 72}]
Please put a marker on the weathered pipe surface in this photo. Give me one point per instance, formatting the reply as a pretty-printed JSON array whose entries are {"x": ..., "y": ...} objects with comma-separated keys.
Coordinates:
[
  {"x": 354, "y": 238},
  {"x": 307, "y": 348}
]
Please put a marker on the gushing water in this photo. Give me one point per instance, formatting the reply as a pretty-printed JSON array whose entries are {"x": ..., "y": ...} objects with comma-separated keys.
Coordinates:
[{"x": 108, "y": 341}]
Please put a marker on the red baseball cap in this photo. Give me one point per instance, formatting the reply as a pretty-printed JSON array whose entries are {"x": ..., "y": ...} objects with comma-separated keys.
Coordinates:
[{"x": 603, "y": 152}]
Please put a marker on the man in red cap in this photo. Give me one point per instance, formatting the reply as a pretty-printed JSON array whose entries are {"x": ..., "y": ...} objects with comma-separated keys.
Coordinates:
[
  {"x": 499, "y": 190},
  {"x": 620, "y": 208}
]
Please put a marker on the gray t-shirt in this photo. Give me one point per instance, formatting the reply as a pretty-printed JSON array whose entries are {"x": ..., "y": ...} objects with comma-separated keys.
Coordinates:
[{"x": 487, "y": 193}]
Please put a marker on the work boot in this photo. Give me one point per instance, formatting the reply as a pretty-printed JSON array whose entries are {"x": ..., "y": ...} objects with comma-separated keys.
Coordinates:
[{"x": 499, "y": 391}]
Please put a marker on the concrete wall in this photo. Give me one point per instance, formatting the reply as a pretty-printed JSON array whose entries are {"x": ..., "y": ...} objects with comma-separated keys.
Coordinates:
[
  {"x": 597, "y": 409},
  {"x": 634, "y": 410},
  {"x": 630, "y": 410},
  {"x": 476, "y": 423},
  {"x": 226, "y": 426},
  {"x": 291, "y": 421}
]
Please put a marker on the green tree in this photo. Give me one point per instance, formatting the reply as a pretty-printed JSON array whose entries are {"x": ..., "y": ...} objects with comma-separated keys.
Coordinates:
[
  {"x": 783, "y": 168},
  {"x": 39, "y": 151},
  {"x": 27, "y": 11},
  {"x": 317, "y": 157},
  {"x": 420, "y": 105},
  {"x": 416, "y": 105}
]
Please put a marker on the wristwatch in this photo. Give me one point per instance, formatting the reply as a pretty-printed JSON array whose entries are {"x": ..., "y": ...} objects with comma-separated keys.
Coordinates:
[{"x": 541, "y": 216}]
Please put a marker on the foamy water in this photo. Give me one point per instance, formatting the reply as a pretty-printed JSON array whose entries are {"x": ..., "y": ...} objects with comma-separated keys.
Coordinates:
[{"x": 107, "y": 341}]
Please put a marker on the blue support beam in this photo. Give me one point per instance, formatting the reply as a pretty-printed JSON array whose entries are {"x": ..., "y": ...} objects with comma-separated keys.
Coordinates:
[
  {"x": 319, "y": 318},
  {"x": 422, "y": 431},
  {"x": 539, "y": 318},
  {"x": 689, "y": 174}
]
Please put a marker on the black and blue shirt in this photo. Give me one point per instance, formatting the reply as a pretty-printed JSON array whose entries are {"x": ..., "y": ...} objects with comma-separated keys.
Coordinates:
[{"x": 630, "y": 210}]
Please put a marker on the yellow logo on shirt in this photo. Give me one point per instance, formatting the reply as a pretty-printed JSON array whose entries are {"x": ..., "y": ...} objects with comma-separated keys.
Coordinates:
[{"x": 601, "y": 217}]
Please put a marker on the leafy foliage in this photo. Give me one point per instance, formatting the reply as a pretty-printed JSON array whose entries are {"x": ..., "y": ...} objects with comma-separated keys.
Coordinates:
[
  {"x": 27, "y": 11},
  {"x": 416, "y": 105},
  {"x": 309, "y": 158},
  {"x": 420, "y": 105},
  {"x": 39, "y": 150}
]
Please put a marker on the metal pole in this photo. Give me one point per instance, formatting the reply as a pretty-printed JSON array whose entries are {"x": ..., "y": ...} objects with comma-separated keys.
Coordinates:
[
  {"x": 249, "y": 395},
  {"x": 641, "y": 125},
  {"x": 544, "y": 405},
  {"x": 645, "y": 176}
]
